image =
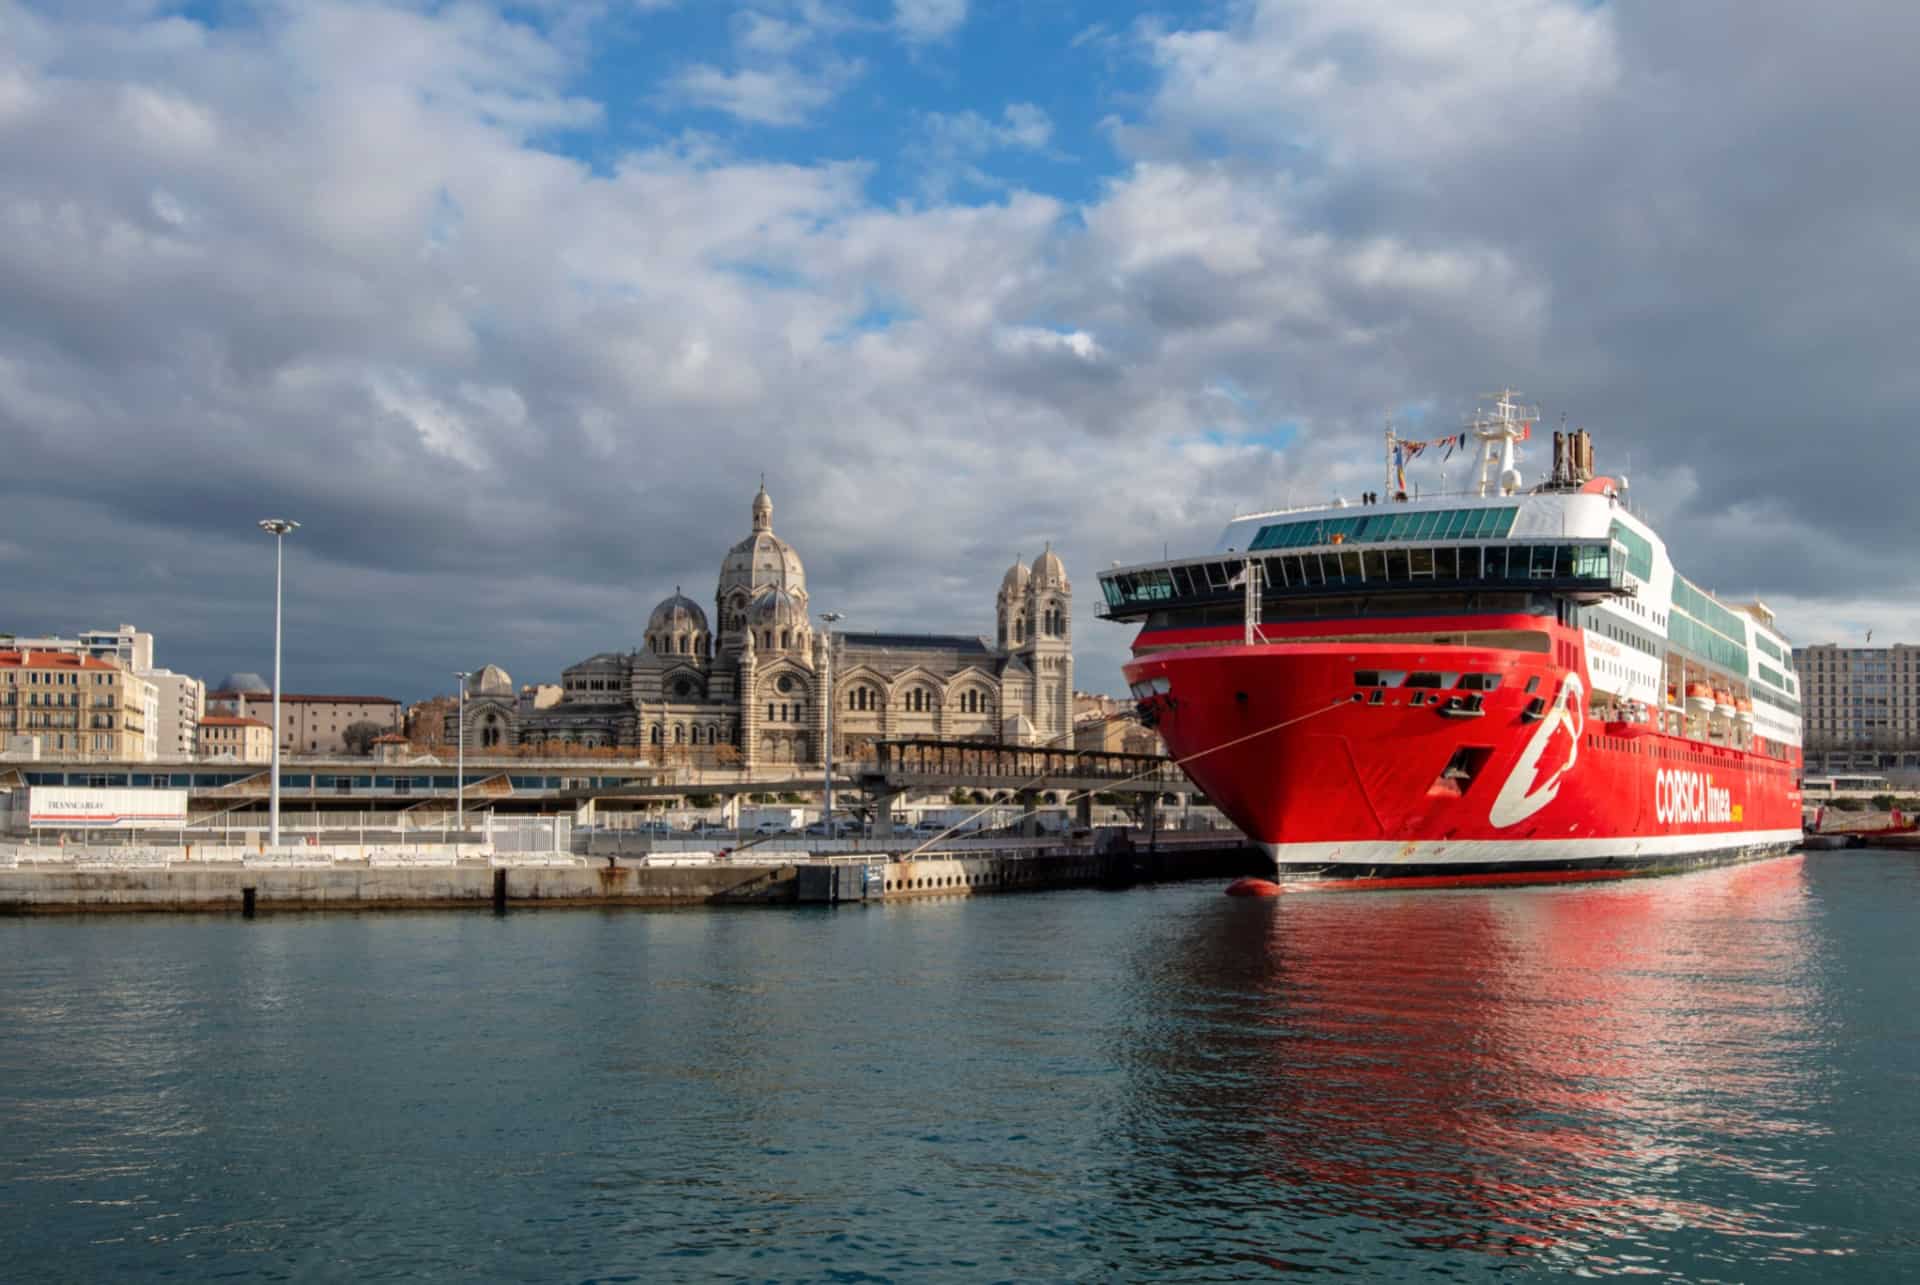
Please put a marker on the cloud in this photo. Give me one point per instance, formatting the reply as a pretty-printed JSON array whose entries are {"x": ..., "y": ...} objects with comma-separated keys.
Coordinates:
[
  {"x": 922, "y": 21},
  {"x": 779, "y": 95},
  {"x": 787, "y": 69},
  {"x": 330, "y": 263},
  {"x": 957, "y": 144}
]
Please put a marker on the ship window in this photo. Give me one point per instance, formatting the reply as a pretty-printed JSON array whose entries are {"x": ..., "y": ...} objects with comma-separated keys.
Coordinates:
[
  {"x": 1182, "y": 585},
  {"x": 1397, "y": 564},
  {"x": 1457, "y": 523},
  {"x": 1533, "y": 684},
  {"x": 1446, "y": 564},
  {"x": 1376, "y": 564},
  {"x": 1330, "y": 568},
  {"x": 1479, "y": 682},
  {"x": 1543, "y": 562},
  {"x": 1350, "y": 565},
  {"x": 1310, "y": 568},
  {"x": 1420, "y": 562}
]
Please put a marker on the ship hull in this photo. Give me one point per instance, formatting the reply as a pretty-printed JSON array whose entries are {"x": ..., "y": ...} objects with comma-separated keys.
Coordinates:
[{"x": 1327, "y": 758}]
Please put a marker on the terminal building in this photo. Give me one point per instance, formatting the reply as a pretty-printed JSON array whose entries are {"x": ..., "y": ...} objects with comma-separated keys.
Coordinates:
[
  {"x": 1861, "y": 707},
  {"x": 746, "y": 682}
]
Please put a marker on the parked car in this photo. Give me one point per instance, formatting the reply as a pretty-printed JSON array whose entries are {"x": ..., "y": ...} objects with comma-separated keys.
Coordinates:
[{"x": 838, "y": 830}]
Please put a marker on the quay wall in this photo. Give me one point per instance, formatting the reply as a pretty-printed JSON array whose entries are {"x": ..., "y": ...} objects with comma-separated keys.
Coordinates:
[{"x": 121, "y": 879}]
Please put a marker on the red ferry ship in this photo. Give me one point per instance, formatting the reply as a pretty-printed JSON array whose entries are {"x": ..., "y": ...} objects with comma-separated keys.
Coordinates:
[{"x": 1508, "y": 685}]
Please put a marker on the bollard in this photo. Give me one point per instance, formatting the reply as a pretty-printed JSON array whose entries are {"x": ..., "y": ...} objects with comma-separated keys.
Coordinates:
[
  {"x": 246, "y": 903},
  {"x": 499, "y": 892}
]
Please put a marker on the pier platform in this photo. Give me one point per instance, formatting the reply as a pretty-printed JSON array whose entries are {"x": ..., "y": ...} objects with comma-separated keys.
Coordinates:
[{"x": 43, "y": 881}]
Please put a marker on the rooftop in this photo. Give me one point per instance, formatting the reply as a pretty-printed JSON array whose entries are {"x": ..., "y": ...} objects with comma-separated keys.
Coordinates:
[
  {"x": 919, "y": 642},
  {"x": 223, "y": 720},
  {"x": 32, "y": 659},
  {"x": 229, "y": 695}
]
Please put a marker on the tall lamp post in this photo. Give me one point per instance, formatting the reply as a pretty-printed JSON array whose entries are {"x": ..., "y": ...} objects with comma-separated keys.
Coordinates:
[
  {"x": 831, "y": 618},
  {"x": 460, "y": 757},
  {"x": 279, "y": 529}
]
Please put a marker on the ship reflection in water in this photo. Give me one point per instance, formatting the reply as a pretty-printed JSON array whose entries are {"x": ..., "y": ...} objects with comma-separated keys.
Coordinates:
[{"x": 1618, "y": 1076}]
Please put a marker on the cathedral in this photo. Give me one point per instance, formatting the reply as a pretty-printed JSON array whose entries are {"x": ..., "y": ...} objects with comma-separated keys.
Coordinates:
[{"x": 747, "y": 686}]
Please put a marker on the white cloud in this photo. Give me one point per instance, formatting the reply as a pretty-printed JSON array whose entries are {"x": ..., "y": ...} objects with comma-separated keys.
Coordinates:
[
  {"x": 922, "y": 21},
  {"x": 783, "y": 94}
]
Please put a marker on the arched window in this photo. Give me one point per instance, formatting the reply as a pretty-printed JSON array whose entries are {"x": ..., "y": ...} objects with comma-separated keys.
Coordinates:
[
  {"x": 1020, "y": 629},
  {"x": 679, "y": 734},
  {"x": 654, "y": 736},
  {"x": 766, "y": 639},
  {"x": 769, "y": 711},
  {"x": 684, "y": 643},
  {"x": 786, "y": 638}
]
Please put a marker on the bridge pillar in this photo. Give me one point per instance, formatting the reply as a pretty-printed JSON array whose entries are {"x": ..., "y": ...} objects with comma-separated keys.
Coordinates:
[
  {"x": 1029, "y": 814},
  {"x": 1083, "y": 812},
  {"x": 883, "y": 802}
]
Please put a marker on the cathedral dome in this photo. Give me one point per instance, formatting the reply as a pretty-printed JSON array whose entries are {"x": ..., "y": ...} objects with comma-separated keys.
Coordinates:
[
  {"x": 1049, "y": 570},
  {"x": 758, "y": 563},
  {"x": 678, "y": 614},
  {"x": 1015, "y": 581},
  {"x": 489, "y": 680},
  {"x": 776, "y": 609}
]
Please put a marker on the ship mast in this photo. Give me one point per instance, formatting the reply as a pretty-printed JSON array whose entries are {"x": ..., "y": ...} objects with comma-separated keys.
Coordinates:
[{"x": 1510, "y": 423}]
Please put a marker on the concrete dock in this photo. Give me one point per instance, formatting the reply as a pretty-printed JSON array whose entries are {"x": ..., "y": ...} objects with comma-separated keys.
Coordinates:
[{"x": 155, "y": 880}]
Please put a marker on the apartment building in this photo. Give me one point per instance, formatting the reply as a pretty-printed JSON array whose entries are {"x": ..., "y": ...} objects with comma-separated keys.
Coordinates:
[
  {"x": 76, "y": 706},
  {"x": 1861, "y": 707},
  {"x": 181, "y": 703}
]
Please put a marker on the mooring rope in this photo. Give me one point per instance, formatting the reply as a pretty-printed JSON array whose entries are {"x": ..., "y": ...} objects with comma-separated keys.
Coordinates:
[{"x": 1138, "y": 776}]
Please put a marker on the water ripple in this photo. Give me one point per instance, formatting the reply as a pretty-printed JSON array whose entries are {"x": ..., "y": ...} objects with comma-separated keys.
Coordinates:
[{"x": 1708, "y": 1077}]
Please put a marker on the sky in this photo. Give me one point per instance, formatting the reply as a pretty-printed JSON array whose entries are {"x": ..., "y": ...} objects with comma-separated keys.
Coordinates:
[{"x": 512, "y": 306}]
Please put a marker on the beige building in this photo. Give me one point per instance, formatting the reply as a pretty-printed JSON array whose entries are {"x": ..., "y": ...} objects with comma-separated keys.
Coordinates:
[
  {"x": 246, "y": 740},
  {"x": 749, "y": 684},
  {"x": 309, "y": 724},
  {"x": 78, "y": 707}
]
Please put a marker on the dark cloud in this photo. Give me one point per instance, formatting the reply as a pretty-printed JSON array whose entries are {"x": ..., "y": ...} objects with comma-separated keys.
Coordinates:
[{"x": 314, "y": 265}]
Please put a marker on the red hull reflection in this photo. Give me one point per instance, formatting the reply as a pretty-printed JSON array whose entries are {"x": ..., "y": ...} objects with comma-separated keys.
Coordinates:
[{"x": 1524, "y": 1072}]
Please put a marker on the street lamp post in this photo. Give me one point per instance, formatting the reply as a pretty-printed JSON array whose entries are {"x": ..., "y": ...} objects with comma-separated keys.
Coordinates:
[
  {"x": 279, "y": 529},
  {"x": 831, "y": 618},
  {"x": 460, "y": 756}
]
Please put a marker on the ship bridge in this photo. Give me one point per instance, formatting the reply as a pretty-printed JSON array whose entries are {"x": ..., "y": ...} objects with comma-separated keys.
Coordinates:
[{"x": 1344, "y": 557}]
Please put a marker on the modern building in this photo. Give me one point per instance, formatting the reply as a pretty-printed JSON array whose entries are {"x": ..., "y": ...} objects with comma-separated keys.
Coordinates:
[
  {"x": 76, "y": 707},
  {"x": 181, "y": 703},
  {"x": 749, "y": 684},
  {"x": 309, "y": 724},
  {"x": 245, "y": 740},
  {"x": 126, "y": 646},
  {"x": 1861, "y": 707}
]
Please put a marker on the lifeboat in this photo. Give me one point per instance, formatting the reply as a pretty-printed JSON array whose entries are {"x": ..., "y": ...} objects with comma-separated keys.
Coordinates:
[
  {"x": 1743, "y": 715},
  {"x": 1699, "y": 698},
  {"x": 1723, "y": 702}
]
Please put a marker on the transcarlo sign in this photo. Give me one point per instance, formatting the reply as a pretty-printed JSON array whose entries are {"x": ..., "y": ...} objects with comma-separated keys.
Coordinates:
[{"x": 68, "y": 807}]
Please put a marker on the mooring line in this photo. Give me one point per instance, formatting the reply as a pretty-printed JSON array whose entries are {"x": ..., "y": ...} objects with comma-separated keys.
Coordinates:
[{"x": 1138, "y": 776}]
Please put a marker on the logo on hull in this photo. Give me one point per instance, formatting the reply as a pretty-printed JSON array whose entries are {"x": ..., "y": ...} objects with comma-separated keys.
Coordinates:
[
  {"x": 1691, "y": 798},
  {"x": 1520, "y": 798}
]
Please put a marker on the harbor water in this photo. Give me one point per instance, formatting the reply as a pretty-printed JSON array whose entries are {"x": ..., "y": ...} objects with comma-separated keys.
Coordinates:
[{"x": 1712, "y": 1076}]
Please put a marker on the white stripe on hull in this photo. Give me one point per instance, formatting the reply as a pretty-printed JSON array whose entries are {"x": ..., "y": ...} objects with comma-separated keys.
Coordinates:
[{"x": 1496, "y": 852}]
